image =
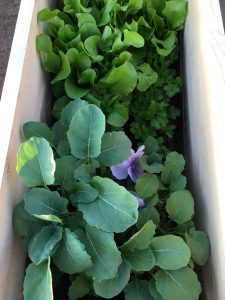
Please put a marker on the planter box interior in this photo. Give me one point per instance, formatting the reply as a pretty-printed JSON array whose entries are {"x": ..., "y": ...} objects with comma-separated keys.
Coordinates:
[{"x": 25, "y": 97}]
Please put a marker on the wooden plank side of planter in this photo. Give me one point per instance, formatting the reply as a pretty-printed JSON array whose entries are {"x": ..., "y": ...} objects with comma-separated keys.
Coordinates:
[
  {"x": 204, "y": 44},
  {"x": 23, "y": 99}
]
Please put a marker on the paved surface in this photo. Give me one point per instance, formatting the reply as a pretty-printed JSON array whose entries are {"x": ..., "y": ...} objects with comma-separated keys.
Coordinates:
[
  {"x": 8, "y": 15},
  {"x": 222, "y": 6}
]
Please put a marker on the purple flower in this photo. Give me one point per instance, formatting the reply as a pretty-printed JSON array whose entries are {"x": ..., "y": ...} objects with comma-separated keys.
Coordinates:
[
  {"x": 131, "y": 166},
  {"x": 140, "y": 201}
]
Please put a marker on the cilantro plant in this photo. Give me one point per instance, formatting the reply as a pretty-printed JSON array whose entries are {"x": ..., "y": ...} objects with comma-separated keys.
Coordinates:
[
  {"x": 116, "y": 54},
  {"x": 152, "y": 113},
  {"x": 77, "y": 218}
]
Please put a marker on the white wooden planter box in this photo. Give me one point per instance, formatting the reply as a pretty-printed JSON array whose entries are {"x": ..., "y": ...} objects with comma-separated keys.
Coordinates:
[{"x": 24, "y": 98}]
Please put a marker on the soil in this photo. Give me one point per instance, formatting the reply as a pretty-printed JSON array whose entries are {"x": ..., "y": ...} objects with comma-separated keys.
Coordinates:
[{"x": 8, "y": 16}]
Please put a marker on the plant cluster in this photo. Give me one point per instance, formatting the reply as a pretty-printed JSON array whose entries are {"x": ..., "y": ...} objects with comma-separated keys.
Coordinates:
[
  {"x": 107, "y": 238},
  {"x": 112, "y": 221},
  {"x": 114, "y": 53}
]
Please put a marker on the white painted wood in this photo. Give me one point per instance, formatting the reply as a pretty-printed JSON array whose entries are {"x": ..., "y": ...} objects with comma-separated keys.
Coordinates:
[
  {"x": 204, "y": 45},
  {"x": 24, "y": 98}
]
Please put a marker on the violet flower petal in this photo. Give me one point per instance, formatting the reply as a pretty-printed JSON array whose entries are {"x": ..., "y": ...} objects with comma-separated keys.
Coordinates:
[
  {"x": 140, "y": 201},
  {"x": 132, "y": 174},
  {"x": 120, "y": 170}
]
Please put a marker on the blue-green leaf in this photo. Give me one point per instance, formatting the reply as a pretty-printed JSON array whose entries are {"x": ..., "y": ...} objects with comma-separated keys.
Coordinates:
[
  {"x": 43, "y": 243},
  {"x": 38, "y": 282},
  {"x": 180, "y": 284},
  {"x": 35, "y": 162},
  {"x": 64, "y": 174},
  {"x": 112, "y": 287},
  {"x": 180, "y": 206},
  {"x": 69, "y": 111},
  {"x": 114, "y": 209},
  {"x": 199, "y": 245},
  {"x": 85, "y": 132},
  {"x": 137, "y": 289},
  {"x": 83, "y": 193},
  {"x": 102, "y": 248},
  {"x": 79, "y": 288},
  {"x": 115, "y": 149},
  {"x": 171, "y": 252},
  {"x": 45, "y": 204},
  {"x": 71, "y": 256},
  {"x": 37, "y": 129}
]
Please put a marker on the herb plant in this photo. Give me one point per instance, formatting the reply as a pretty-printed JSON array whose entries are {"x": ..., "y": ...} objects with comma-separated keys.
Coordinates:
[{"x": 116, "y": 54}]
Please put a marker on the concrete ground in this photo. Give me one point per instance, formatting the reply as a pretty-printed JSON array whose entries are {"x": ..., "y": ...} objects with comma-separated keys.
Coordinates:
[
  {"x": 222, "y": 6},
  {"x": 8, "y": 16}
]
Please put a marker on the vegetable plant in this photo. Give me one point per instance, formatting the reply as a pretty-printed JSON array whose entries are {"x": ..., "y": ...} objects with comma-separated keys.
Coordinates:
[
  {"x": 108, "y": 213},
  {"x": 116, "y": 54},
  {"x": 135, "y": 238}
]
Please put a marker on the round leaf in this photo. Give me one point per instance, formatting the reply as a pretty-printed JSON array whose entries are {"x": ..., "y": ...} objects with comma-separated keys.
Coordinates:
[
  {"x": 174, "y": 166},
  {"x": 146, "y": 185},
  {"x": 171, "y": 252},
  {"x": 115, "y": 148},
  {"x": 114, "y": 209},
  {"x": 180, "y": 206},
  {"x": 86, "y": 131},
  {"x": 175, "y": 285},
  {"x": 178, "y": 184},
  {"x": 35, "y": 162},
  {"x": 140, "y": 260},
  {"x": 70, "y": 110},
  {"x": 199, "y": 245}
]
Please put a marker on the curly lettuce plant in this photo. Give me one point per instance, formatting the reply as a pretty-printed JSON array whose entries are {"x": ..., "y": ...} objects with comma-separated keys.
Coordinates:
[
  {"x": 137, "y": 240},
  {"x": 108, "y": 52}
]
